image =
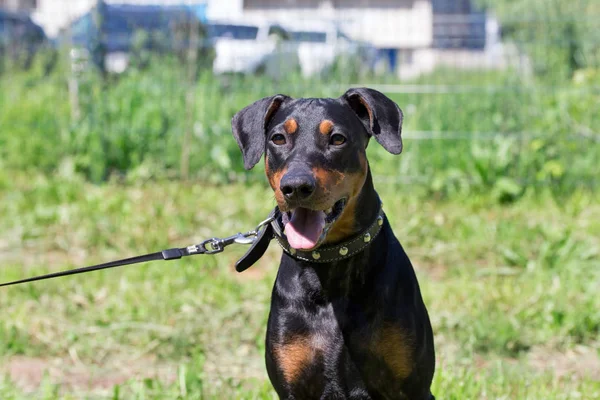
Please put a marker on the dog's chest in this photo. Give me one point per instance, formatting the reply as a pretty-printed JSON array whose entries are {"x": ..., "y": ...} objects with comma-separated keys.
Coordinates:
[
  {"x": 343, "y": 345},
  {"x": 314, "y": 356},
  {"x": 315, "y": 351}
]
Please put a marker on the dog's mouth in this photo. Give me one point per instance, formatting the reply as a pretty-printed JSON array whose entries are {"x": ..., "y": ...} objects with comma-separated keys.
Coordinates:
[{"x": 306, "y": 229}]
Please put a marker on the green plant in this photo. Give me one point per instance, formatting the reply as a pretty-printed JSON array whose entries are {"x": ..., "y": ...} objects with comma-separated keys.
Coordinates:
[{"x": 515, "y": 138}]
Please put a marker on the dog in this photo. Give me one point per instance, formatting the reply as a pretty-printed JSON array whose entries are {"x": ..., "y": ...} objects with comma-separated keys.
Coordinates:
[{"x": 347, "y": 320}]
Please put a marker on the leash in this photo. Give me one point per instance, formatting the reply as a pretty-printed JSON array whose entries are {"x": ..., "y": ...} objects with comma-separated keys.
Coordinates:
[{"x": 258, "y": 238}]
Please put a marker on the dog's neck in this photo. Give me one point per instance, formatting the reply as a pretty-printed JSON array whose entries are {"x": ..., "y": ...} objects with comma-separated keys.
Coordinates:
[
  {"x": 343, "y": 277},
  {"x": 367, "y": 205}
]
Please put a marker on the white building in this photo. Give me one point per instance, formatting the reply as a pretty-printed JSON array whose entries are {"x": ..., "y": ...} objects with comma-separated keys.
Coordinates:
[
  {"x": 406, "y": 31},
  {"x": 385, "y": 23}
]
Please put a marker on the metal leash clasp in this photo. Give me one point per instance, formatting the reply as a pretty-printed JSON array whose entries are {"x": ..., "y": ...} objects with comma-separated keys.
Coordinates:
[{"x": 217, "y": 245}]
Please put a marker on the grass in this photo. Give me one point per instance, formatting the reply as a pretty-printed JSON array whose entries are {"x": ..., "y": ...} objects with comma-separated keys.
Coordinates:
[
  {"x": 502, "y": 135},
  {"x": 495, "y": 200},
  {"x": 511, "y": 290}
]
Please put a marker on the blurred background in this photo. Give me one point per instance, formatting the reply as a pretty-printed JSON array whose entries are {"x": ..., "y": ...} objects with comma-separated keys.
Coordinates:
[{"x": 115, "y": 140}]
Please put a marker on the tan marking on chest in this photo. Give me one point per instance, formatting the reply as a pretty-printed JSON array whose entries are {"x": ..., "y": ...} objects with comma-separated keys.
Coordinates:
[
  {"x": 290, "y": 126},
  {"x": 394, "y": 347},
  {"x": 294, "y": 356},
  {"x": 325, "y": 127}
]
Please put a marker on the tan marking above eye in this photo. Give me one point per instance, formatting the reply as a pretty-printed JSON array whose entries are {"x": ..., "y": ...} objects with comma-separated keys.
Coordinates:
[
  {"x": 290, "y": 126},
  {"x": 325, "y": 127}
]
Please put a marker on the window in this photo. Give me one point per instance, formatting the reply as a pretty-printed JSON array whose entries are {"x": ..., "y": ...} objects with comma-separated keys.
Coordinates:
[
  {"x": 373, "y": 3},
  {"x": 240, "y": 32},
  {"x": 307, "y": 36},
  {"x": 262, "y": 4}
]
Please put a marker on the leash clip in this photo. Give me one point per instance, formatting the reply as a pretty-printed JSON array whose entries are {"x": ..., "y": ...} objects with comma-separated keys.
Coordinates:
[
  {"x": 262, "y": 224},
  {"x": 256, "y": 230},
  {"x": 216, "y": 245}
]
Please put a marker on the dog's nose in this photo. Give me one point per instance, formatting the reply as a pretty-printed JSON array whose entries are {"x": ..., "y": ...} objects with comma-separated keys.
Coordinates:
[{"x": 298, "y": 186}]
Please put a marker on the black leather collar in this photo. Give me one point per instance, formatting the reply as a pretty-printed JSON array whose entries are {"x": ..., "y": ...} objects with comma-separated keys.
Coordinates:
[
  {"x": 323, "y": 254},
  {"x": 338, "y": 252}
]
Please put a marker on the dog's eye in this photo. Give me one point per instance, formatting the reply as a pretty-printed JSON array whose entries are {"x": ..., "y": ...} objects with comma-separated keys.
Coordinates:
[
  {"x": 278, "y": 139},
  {"x": 337, "y": 139}
]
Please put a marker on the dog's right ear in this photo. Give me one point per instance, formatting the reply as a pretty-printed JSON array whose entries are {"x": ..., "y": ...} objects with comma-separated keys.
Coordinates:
[{"x": 250, "y": 124}]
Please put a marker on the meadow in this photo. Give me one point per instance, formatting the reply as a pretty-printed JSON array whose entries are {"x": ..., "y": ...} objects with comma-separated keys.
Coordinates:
[{"x": 495, "y": 200}]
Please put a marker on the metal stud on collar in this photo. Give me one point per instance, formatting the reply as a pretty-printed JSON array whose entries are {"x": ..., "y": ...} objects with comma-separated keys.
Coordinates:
[
  {"x": 316, "y": 255},
  {"x": 367, "y": 237},
  {"x": 380, "y": 220},
  {"x": 343, "y": 251},
  {"x": 292, "y": 251}
]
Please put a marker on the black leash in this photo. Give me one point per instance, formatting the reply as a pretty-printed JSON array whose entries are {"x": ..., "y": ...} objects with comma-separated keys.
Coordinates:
[
  {"x": 259, "y": 238},
  {"x": 161, "y": 255}
]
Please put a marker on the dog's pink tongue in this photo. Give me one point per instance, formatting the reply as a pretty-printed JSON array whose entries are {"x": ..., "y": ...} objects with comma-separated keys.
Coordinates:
[{"x": 305, "y": 228}]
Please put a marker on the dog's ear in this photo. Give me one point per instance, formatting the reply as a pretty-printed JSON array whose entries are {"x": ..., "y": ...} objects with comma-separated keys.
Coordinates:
[
  {"x": 250, "y": 124},
  {"x": 381, "y": 117}
]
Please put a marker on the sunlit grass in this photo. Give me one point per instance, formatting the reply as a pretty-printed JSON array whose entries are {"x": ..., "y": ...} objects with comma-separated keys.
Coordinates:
[{"x": 511, "y": 291}]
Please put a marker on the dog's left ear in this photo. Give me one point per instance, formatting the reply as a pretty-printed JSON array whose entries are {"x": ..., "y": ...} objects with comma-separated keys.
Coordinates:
[
  {"x": 381, "y": 117},
  {"x": 249, "y": 127}
]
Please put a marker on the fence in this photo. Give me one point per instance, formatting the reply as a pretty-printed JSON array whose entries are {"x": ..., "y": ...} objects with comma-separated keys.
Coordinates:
[{"x": 501, "y": 107}]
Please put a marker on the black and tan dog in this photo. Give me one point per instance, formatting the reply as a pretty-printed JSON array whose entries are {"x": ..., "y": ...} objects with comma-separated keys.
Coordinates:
[{"x": 347, "y": 319}]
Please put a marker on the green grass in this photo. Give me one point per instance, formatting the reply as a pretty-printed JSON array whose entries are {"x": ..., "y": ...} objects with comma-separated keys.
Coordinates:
[
  {"x": 499, "y": 213},
  {"x": 504, "y": 135},
  {"x": 511, "y": 291}
]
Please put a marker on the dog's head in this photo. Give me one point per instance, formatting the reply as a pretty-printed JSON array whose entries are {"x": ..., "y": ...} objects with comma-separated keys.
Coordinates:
[{"x": 315, "y": 156}]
